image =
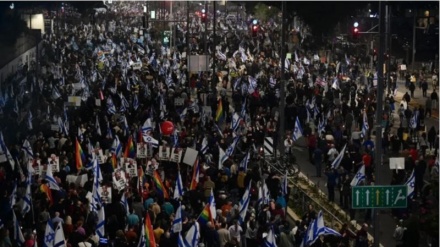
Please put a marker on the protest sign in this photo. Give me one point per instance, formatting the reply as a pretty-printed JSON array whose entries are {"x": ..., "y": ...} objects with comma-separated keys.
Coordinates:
[{"x": 190, "y": 156}]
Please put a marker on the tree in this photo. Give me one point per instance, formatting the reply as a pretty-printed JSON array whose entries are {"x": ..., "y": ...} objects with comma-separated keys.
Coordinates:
[{"x": 263, "y": 12}]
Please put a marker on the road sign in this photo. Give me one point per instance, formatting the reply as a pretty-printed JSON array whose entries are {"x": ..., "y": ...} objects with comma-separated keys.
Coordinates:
[{"x": 380, "y": 196}]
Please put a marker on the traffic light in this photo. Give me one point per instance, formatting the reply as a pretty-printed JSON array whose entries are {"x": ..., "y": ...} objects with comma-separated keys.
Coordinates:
[
  {"x": 255, "y": 27},
  {"x": 355, "y": 31}
]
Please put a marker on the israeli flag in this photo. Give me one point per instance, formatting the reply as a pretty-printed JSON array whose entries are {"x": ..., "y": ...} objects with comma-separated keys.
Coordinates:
[
  {"x": 270, "y": 240},
  {"x": 410, "y": 184},
  {"x": 151, "y": 140},
  {"x": 180, "y": 242},
  {"x": 235, "y": 122},
  {"x": 100, "y": 230},
  {"x": 218, "y": 130},
  {"x": 284, "y": 184},
  {"x": 27, "y": 199},
  {"x": 204, "y": 147},
  {"x": 59, "y": 239},
  {"x": 272, "y": 82},
  {"x": 80, "y": 135},
  {"x": 297, "y": 131},
  {"x": 212, "y": 207},
  {"x": 413, "y": 120},
  {"x": 178, "y": 189},
  {"x": 221, "y": 155},
  {"x": 97, "y": 126},
  {"x": 116, "y": 146},
  {"x": 359, "y": 177},
  {"x": 230, "y": 150},
  {"x": 336, "y": 162},
  {"x": 321, "y": 126},
  {"x": 365, "y": 126},
  {"x": 252, "y": 85},
  {"x": 13, "y": 196},
  {"x": 177, "y": 222},
  {"x": 18, "y": 234},
  {"x": 5, "y": 150},
  {"x": 244, "y": 163},
  {"x": 26, "y": 147},
  {"x": 109, "y": 134},
  {"x": 49, "y": 234},
  {"x": 286, "y": 64},
  {"x": 136, "y": 102},
  {"x": 53, "y": 185},
  {"x": 221, "y": 56},
  {"x": 147, "y": 126},
  {"x": 263, "y": 194},
  {"x": 29, "y": 121},
  {"x": 142, "y": 241},
  {"x": 244, "y": 203},
  {"x": 111, "y": 108},
  {"x": 124, "y": 203},
  {"x": 192, "y": 236}
]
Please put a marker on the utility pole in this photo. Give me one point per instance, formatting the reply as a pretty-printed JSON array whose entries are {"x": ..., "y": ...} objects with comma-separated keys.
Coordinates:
[
  {"x": 188, "y": 53},
  {"x": 378, "y": 123},
  {"x": 282, "y": 83},
  {"x": 414, "y": 41},
  {"x": 387, "y": 46},
  {"x": 214, "y": 43}
]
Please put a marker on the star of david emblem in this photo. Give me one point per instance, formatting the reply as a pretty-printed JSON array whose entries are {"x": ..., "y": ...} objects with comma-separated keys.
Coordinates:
[
  {"x": 411, "y": 184},
  {"x": 359, "y": 175},
  {"x": 49, "y": 238},
  {"x": 296, "y": 129},
  {"x": 148, "y": 138}
]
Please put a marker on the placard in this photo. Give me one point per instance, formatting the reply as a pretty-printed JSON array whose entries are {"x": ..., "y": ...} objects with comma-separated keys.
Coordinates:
[
  {"x": 77, "y": 180},
  {"x": 36, "y": 166},
  {"x": 176, "y": 155},
  {"x": 403, "y": 67},
  {"x": 136, "y": 66},
  {"x": 164, "y": 153},
  {"x": 97, "y": 102},
  {"x": 100, "y": 156},
  {"x": 54, "y": 127},
  {"x": 141, "y": 150},
  {"x": 152, "y": 165},
  {"x": 119, "y": 179},
  {"x": 106, "y": 194},
  {"x": 55, "y": 162},
  {"x": 289, "y": 55},
  {"x": 74, "y": 100},
  {"x": 397, "y": 163},
  {"x": 130, "y": 166},
  {"x": 190, "y": 156}
]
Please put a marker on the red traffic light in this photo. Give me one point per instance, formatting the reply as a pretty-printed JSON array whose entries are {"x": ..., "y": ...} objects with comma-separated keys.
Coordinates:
[
  {"x": 254, "y": 28},
  {"x": 203, "y": 16},
  {"x": 356, "y": 30}
]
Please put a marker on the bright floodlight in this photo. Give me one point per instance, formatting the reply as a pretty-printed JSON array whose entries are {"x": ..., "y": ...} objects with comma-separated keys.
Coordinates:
[
  {"x": 203, "y": 10},
  {"x": 255, "y": 22},
  {"x": 11, "y": 6},
  {"x": 356, "y": 24}
]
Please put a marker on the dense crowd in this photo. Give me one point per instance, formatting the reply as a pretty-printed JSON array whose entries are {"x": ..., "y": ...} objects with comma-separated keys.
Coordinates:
[{"x": 122, "y": 83}]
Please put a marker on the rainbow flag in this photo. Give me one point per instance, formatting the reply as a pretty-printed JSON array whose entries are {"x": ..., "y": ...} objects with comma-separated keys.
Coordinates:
[
  {"x": 149, "y": 234},
  {"x": 195, "y": 176},
  {"x": 219, "y": 113},
  {"x": 46, "y": 190},
  {"x": 159, "y": 185},
  {"x": 130, "y": 151},
  {"x": 80, "y": 157},
  {"x": 205, "y": 216},
  {"x": 114, "y": 161}
]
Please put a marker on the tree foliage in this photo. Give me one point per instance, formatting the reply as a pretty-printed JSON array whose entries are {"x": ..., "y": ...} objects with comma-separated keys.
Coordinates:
[{"x": 263, "y": 12}]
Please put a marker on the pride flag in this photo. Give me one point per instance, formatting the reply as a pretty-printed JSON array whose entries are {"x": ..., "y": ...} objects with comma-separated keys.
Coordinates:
[
  {"x": 80, "y": 157},
  {"x": 205, "y": 216},
  {"x": 130, "y": 151},
  {"x": 149, "y": 234},
  {"x": 195, "y": 176},
  {"x": 160, "y": 188},
  {"x": 219, "y": 113},
  {"x": 46, "y": 190},
  {"x": 114, "y": 161}
]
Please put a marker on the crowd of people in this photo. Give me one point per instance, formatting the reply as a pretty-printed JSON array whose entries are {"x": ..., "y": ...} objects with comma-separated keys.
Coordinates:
[{"x": 110, "y": 85}]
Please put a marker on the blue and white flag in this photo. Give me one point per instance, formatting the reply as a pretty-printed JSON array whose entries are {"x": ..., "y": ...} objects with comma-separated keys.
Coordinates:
[
  {"x": 27, "y": 149},
  {"x": 49, "y": 234},
  {"x": 413, "y": 120},
  {"x": 59, "y": 239},
  {"x": 270, "y": 240},
  {"x": 263, "y": 194},
  {"x": 109, "y": 134},
  {"x": 192, "y": 236},
  {"x": 286, "y": 64},
  {"x": 321, "y": 126},
  {"x": 252, "y": 85},
  {"x": 18, "y": 234},
  {"x": 175, "y": 139},
  {"x": 147, "y": 127},
  {"x": 321, "y": 229},
  {"x": 80, "y": 135},
  {"x": 336, "y": 162},
  {"x": 244, "y": 203},
  {"x": 410, "y": 184},
  {"x": 29, "y": 121},
  {"x": 365, "y": 126},
  {"x": 100, "y": 227},
  {"x": 97, "y": 126},
  {"x": 297, "y": 131},
  {"x": 284, "y": 184},
  {"x": 204, "y": 146},
  {"x": 124, "y": 103},
  {"x": 244, "y": 163},
  {"x": 135, "y": 102},
  {"x": 27, "y": 198},
  {"x": 96, "y": 202},
  {"x": 151, "y": 140},
  {"x": 124, "y": 203},
  {"x": 53, "y": 185},
  {"x": 178, "y": 221},
  {"x": 13, "y": 196},
  {"x": 5, "y": 150},
  {"x": 178, "y": 189},
  {"x": 359, "y": 177},
  {"x": 212, "y": 206},
  {"x": 62, "y": 127},
  {"x": 180, "y": 241},
  {"x": 230, "y": 150},
  {"x": 111, "y": 108},
  {"x": 142, "y": 240},
  {"x": 183, "y": 115},
  {"x": 116, "y": 147},
  {"x": 218, "y": 130},
  {"x": 235, "y": 123}
]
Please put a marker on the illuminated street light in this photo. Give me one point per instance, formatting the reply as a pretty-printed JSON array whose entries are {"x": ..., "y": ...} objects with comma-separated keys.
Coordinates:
[
  {"x": 356, "y": 24},
  {"x": 11, "y": 6}
]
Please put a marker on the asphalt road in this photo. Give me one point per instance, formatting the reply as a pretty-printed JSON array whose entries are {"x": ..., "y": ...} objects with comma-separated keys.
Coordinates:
[{"x": 387, "y": 222}]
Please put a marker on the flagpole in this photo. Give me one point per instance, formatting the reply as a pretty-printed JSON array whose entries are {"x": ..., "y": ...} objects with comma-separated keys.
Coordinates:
[{"x": 282, "y": 85}]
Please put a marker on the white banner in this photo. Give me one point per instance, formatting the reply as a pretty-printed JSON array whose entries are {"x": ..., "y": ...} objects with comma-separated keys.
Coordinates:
[
  {"x": 164, "y": 153},
  {"x": 176, "y": 155}
]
